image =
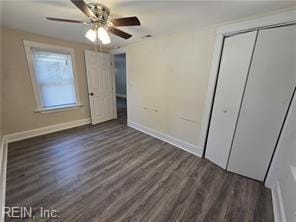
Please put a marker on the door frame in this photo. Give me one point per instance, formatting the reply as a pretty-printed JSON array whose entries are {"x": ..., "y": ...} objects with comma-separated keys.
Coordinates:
[
  {"x": 122, "y": 50},
  {"x": 280, "y": 19}
]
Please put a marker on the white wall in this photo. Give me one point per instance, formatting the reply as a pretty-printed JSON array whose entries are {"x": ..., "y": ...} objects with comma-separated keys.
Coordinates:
[
  {"x": 167, "y": 82},
  {"x": 120, "y": 74},
  {"x": 281, "y": 178}
]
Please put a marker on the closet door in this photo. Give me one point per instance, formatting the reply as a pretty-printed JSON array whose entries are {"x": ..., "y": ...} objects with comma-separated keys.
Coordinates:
[
  {"x": 234, "y": 66},
  {"x": 268, "y": 92}
]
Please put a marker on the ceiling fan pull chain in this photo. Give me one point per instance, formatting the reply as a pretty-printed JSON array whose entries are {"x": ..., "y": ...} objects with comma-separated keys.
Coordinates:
[
  {"x": 101, "y": 50},
  {"x": 96, "y": 44}
]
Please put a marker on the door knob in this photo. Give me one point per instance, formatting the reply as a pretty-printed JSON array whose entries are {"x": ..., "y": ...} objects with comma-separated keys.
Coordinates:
[{"x": 91, "y": 94}]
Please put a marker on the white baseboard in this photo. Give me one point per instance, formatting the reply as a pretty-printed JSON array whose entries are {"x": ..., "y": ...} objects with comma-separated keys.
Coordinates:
[
  {"x": 121, "y": 95},
  {"x": 2, "y": 149},
  {"x": 277, "y": 202},
  {"x": 194, "y": 149},
  {"x": 45, "y": 130},
  {"x": 3, "y": 164}
]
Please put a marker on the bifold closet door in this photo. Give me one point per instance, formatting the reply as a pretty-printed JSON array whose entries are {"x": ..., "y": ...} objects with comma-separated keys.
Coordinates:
[
  {"x": 234, "y": 66},
  {"x": 269, "y": 88}
]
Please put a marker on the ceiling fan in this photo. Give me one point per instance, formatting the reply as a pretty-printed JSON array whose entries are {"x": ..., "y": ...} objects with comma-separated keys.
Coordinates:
[{"x": 98, "y": 18}]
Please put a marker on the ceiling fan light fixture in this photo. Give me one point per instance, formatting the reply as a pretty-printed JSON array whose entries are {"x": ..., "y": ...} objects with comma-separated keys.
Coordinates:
[
  {"x": 91, "y": 35},
  {"x": 103, "y": 35},
  {"x": 98, "y": 15}
]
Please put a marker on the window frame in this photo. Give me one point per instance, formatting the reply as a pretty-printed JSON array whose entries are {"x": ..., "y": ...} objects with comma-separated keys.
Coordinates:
[{"x": 37, "y": 94}]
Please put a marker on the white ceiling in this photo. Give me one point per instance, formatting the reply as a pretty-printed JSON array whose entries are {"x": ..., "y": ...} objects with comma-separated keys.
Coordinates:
[{"x": 157, "y": 17}]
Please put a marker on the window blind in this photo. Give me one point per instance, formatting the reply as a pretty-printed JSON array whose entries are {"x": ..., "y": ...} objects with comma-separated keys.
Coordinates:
[{"x": 54, "y": 77}]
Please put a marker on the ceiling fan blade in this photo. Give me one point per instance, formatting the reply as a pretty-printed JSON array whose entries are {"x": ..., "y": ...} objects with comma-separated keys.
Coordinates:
[
  {"x": 119, "y": 33},
  {"x": 127, "y": 21},
  {"x": 84, "y": 8},
  {"x": 64, "y": 20}
]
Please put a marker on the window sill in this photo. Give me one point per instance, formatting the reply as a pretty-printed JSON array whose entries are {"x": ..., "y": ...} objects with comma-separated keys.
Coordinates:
[{"x": 58, "y": 109}]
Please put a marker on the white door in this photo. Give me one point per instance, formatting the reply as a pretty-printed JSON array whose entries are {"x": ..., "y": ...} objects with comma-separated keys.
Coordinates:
[
  {"x": 269, "y": 89},
  {"x": 101, "y": 86},
  {"x": 234, "y": 66}
]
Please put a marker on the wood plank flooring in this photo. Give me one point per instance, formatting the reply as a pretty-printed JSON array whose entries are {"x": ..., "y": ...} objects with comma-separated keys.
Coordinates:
[
  {"x": 121, "y": 106},
  {"x": 111, "y": 172}
]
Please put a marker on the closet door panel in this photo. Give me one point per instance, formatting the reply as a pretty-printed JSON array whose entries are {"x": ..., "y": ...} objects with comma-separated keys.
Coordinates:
[
  {"x": 268, "y": 92},
  {"x": 235, "y": 61}
]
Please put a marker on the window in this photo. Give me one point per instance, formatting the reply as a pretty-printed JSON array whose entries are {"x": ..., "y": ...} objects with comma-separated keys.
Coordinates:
[{"x": 53, "y": 76}]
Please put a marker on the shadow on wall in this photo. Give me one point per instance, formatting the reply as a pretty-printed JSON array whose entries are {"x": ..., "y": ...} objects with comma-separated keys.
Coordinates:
[{"x": 120, "y": 74}]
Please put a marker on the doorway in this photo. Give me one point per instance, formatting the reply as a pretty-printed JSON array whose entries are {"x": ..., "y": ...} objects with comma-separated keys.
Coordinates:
[{"x": 120, "y": 80}]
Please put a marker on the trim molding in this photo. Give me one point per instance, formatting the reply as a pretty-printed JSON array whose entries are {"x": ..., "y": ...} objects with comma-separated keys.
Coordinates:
[
  {"x": 121, "y": 95},
  {"x": 45, "y": 130},
  {"x": 194, "y": 149},
  {"x": 28, "y": 45},
  {"x": 277, "y": 202},
  {"x": 3, "y": 164},
  {"x": 119, "y": 50}
]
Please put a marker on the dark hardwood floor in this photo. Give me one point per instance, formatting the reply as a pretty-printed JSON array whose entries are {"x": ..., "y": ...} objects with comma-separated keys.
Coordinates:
[
  {"x": 110, "y": 172},
  {"x": 121, "y": 106}
]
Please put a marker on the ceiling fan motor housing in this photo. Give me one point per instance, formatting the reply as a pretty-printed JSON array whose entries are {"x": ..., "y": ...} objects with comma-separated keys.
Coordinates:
[{"x": 101, "y": 11}]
